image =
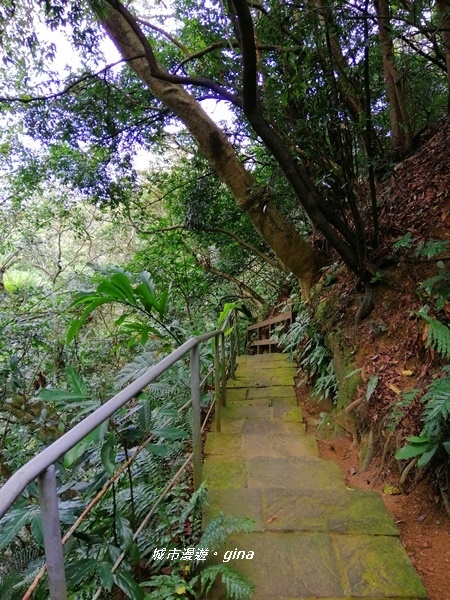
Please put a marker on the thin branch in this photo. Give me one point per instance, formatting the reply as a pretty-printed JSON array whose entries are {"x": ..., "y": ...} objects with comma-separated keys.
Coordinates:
[
  {"x": 166, "y": 34},
  {"x": 233, "y": 45},
  {"x": 276, "y": 264},
  {"x": 70, "y": 86}
]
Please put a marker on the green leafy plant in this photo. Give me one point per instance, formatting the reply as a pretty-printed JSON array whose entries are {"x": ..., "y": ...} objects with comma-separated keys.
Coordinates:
[
  {"x": 313, "y": 356},
  {"x": 137, "y": 296},
  {"x": 435, "y": 434},
  {"x": 437, "y": 288},
  {"x": 438, "y": 334},
  {"x": 184, "y": 580}
]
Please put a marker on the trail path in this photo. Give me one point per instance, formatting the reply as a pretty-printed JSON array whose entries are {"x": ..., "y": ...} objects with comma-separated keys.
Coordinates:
[{"x": 313, "y": 538}]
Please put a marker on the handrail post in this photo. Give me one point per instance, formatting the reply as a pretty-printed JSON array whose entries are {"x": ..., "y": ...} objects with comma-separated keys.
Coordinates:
[
  {"x": 196, "y": 417},
  {"x": 51, "y": 531},
  {"x": 236, "y": 318},
  {"x": 223, "y": 370},
  {"x": 217, "y": 382},
  {"x": 232, "y": 352}
]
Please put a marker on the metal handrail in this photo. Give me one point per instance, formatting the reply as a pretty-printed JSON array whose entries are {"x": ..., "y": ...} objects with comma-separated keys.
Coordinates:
[{"x": 42, "y": 467}]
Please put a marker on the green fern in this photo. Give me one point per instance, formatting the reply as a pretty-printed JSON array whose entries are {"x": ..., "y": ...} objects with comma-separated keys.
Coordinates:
[
  {"x": 237, "y": 586},
  {"x": 437, "y": 408},
  {"x": 218, "y": 529},
  {"x": 438, "y": 336}
]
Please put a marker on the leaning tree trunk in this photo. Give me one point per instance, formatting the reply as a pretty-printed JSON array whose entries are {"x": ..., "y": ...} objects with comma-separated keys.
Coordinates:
[
  {"x": 400, "y": 124},
  {"x": 273, "y": 227},
  {"x": 443, "y": 10}
]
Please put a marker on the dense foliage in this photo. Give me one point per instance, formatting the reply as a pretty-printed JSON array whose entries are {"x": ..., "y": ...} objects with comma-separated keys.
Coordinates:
[{"x": 130, "y": 218}]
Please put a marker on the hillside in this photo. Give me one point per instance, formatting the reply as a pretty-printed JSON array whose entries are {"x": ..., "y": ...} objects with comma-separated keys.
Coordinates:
[{"x": 395, "y": 351}]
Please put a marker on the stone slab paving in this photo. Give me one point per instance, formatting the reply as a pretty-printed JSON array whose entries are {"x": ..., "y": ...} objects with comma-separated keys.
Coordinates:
[{"x": 313, "y": 538}]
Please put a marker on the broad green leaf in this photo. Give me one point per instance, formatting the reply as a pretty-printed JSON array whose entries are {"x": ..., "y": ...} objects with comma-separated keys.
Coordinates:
[
  {"x": 73, "y": 330},
  {"x": 411, "y": 450},
  {"x": 168, "y": 412},
  {"x": 157, "y": 449},
  {"x": 107, "y": 288},
  {"x": 60, "y": 395},
  {"x": 14, "y": 521},
  {"x": 123, "y": 283},
  {"x": 164, "y": 303},
  {"x": 75, "y": 381},
  {"x": 414, "y": 439},
  {"x": 427, "y": 456},
  {"x": 108, "y": 456},
  {"x": 170, "y": 433},
  {"x": 105, "y": 575},
  {"x": 78, "y": 571},
  {"x": 36, "y": 529},
  {"x": 74, "y": 453},
  {"x": 147, "y": 280},
  {"x": 447, "y": 446},
  {"x": 147, "y": 299},
  {"x": 124, "y": 531},
  {"x": 128, "y": 585}
]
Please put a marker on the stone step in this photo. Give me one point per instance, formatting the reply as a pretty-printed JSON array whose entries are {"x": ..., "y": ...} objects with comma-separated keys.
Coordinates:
[
  {"x": 264, "y": 379},
  {"x": 313, "y": 565},
  {"x": 228, "y": 472},
  {"x": 262, "y": 393},
  {"x": 251, "y": 445},
  {"x": 313, "y": 538},
  {"x": 349, "y": 512},
  {"x": 263, "y": 358},
  {"x": 262, "y": 410}
]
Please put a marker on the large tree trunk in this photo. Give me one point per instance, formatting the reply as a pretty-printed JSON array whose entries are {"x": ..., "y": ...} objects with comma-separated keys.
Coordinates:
[
  {"x": 400, "y": 124},
  {"x": 443, "y": 10},
  {"x": 255, "y": 201}
]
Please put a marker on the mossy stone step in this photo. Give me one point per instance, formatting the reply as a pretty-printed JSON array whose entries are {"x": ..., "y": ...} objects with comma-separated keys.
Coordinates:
[
  {"x": 225, "y": 472},
  {"x": 313, "y": 538},
  {"x": 347, "y": 512},
  {"x": 251, "y": 445},
  {"x": 262, "y": 411},
  {"x": 319, "y": 565},
  {"x": 263, "y": 393}
]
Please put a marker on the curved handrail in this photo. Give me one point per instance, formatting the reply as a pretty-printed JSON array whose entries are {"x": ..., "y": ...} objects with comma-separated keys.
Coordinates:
[
  {"x": 17, "y": 483},
  {"x": 42, "y": 466}
]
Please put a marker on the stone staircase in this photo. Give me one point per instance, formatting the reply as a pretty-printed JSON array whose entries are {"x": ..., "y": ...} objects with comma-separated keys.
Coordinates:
[{"x": 313, "y": 537}]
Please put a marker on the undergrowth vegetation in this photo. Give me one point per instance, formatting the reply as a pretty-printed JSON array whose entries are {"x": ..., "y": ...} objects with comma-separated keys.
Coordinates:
[
  {"x": 306, "y": 343},
  {"x": 133, "y": 470}
]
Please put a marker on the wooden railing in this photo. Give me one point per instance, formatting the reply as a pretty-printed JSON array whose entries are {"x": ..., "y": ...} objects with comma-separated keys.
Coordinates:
[{"x": 259, "y": 336}]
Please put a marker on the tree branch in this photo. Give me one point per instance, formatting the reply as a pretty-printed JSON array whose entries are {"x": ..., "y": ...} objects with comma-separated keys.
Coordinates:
[
  {"x": 166, "y": 34},
  {"x": 70, "y": 86},
  {"x": 226, "y": 44},
  {"x": 155, "y": 69},
  {"x": 276, "y": 264}
]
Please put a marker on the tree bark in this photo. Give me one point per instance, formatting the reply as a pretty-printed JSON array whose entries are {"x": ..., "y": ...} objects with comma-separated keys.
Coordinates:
[
  {"x": 443, "y": 10},
  {"x": 400, "y": 123},
  {"x": 274, "y": 228}
]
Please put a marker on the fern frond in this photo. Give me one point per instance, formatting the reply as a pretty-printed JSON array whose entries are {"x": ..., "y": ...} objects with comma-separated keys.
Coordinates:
[
  {"x": 218, "y": 529},
  {"x": 135, "y": 369},
  {"x": 437, "y": 408},
  {"x": 438, "y": 337},
  {"x": 237, "y": 586}
]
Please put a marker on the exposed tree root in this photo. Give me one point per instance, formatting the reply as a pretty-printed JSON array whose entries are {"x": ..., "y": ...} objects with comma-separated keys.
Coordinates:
[
  {"x": 349, "y": 421},
  {"x": 367, "y": 305},
  {"x": 369, "y": 454},
  {"x": 402, "y": 481}
]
